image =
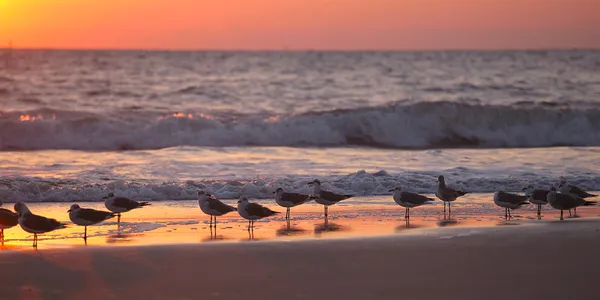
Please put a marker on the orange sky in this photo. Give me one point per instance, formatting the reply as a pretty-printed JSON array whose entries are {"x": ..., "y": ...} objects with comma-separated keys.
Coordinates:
[{"x": 300, "y": 24}]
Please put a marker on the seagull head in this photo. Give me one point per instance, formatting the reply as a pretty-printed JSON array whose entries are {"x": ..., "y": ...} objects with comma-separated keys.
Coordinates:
[
  {"x": 74, "y": 207},
  {"x": 315, "y": 182},
  {"x": 396, "y": 189},
  {"x": 441, "y": 178},
  {"x": 278, "y": 191},
  {"x": 110, "y": 195},
  {"x": 243, "y": 199},
  {"x": 21, "y": 208},
  {"x": 528, "y": 188}
]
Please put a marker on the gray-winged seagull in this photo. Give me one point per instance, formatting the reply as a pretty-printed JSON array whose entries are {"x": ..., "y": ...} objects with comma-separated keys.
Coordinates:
[
  {"x": 87, "y": 216},
  {"x": 537, "y": 197},
  {"x": 326, "y": 198},
  {"x": 8, "y": 219},
  {"x": 35, "y": 224},
  {"x": 253, "y": 211},
  {"x": 409, "y": 200},
  {"x": 566, "y": 188},
  {"x": 446, "y": 193},
  {"x": 120, "y": 205},
  {"x": 563, "y": 201},
  {"x": 213, "y": 207},
  {"x": 509, "y": 201},
  {"x": 289, "y": 200}
]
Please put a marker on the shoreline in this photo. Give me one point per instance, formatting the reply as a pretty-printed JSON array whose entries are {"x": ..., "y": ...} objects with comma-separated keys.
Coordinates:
[{"x": 450, "y": 263}]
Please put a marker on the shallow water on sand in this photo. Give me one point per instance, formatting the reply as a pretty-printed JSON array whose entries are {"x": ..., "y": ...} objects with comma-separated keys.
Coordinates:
[
  {"x": 177, "y": 173},
  {"x": 182, "y": 222}
]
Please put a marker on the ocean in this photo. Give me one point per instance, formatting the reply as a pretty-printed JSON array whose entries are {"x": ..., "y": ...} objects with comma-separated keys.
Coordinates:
[{"x": 159, "y": 125}]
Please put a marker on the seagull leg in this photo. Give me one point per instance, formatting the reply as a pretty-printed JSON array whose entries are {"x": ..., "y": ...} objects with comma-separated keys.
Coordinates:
[
  {"x": 444, "y": 207},
  {"x": 325, "y": 212},
  {"x": 561, "y": 214},
  {"x": 119, "y": 218},
  {"x": 85, "y": 233},
  {"x": 407, "y": 213},
  {"x": 570, "y": 213},
  {"x": 449, "y": 209},
  {"x": 35, "y": 240},
  {"x": 506, "y": 213},
  {"x": 287, "y": 214},
  {"x": 575, "y": 212},
  {"x": 2, "y": 234},
  {"x": 509, "y": 215},
  {"x": 249, "y": 222}
]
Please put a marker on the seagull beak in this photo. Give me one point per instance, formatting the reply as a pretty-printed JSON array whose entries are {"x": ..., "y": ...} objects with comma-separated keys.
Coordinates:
[
  {"x": 391, "y": 190},
  {"x": 69, "y": 210}
]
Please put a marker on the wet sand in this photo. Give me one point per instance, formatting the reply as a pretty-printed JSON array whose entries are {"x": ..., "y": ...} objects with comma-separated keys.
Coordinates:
[{"x": 553, "y": 260}]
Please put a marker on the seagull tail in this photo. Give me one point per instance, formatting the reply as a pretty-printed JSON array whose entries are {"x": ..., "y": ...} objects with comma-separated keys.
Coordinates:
[
  {"x": 590, "y": 203},
  {"x": 145, "y": 203},
  {"x": 461, "y": 193}
]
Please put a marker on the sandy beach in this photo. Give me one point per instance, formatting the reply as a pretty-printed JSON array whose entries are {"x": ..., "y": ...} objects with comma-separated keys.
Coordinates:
[
  {"x": 367, "y": 251},
  {"x": 554, "y": 260}
]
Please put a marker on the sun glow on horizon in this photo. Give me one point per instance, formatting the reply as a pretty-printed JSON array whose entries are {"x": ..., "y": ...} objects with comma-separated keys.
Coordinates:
[{"x": 300, "y": 24}]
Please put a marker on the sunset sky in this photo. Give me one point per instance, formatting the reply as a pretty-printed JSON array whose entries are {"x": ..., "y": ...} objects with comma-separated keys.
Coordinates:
[{"x": 300, "y": 24}]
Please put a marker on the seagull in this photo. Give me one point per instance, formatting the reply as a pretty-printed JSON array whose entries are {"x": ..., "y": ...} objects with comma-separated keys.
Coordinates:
[
  {"x": 509, "y": 201},
  {"x": 324, "y": 197},
  {"x": 537, "y": 197},
  {"x": 252, "y": 211},
  {"x": 120, "y": 205},
  {"x": 87, "y": 216},
  {"x": 35, "y": 224},
  {"x": 564, "y": 201},
  {"x": 8, "y": 219},
  {"x": 566, "y": 188},
  {"x": 213, "y": 207},
  {"x": 289, "y": 200},
  {"x": 409, "y": 200},
  {"x": 446, "y": 193}
]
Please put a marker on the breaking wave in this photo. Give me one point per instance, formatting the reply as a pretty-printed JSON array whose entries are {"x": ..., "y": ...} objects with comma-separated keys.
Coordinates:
[{"x": 401, "y": 126}]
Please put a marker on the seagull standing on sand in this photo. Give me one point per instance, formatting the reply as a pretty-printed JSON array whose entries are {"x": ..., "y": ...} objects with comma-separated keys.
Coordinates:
[
  {"x": 409, "y": 200},
  {"x": 509, "y": 201},
  {"x": 120, "y": 205},
  {"x": 566, "y": 188},
  {"x": 35, "y": 224},
  {"x": 563, "y": 201},
  {"x": 8, "y": 219},
  {"x": 536, "y": 196},
  {"x": 213, "y": 207},
  {"x": 324, "y": 197},
  {"x": 252, "y": 211},
  {"x": 87, "y": 216},
  {"x": 289, "y": 200},
  {"x": 446, "y": 193}
]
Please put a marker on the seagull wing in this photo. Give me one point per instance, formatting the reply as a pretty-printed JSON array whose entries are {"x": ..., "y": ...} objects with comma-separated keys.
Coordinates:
[
  {"x": 41, "y": 223},
  {"x": 126, "y": 203},
  {"x": 8, "y": 218},
  {"x": 415, "y": 199},
  {"x": 333, "y": 196},
  {"x": 255, "y": 209},
  {"x": 296, "y": 198},
  {"x": 93, "y": 215},
  {"x": 217, "y": 205}
]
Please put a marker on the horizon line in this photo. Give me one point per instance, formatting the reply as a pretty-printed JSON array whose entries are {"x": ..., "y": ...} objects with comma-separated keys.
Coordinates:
[{"x": 302, "y": 50}]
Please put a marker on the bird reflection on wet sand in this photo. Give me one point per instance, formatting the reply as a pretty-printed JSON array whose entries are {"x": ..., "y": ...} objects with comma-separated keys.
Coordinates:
[
  {"x": 447, "y": 222},
  {"x": 328, "y": 227},
  {"x": 290, "y": 230}
]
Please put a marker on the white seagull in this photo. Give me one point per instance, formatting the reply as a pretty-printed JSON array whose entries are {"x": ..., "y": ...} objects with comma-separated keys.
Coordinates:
[
  {"x": 409, "y": 200},
  {"x": 566, "y": 188},
  {"x": 289, "y": 200},
  {"x": 87, "y": 216},
  {"x": 35, "y": 224},
  {"x": 446, "y": 193},
  {"x": 537, "y": 197},
  {"x": 509, "y": 201},
  {"x": 326, "y": 198},
  {"x": 562, "y": 201},
  {"x": 253, "y": 211},
  {"x": 213, "y": 207},
  {"x": 8, "y": 219},
  {"x": 120, "y": 205}
]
